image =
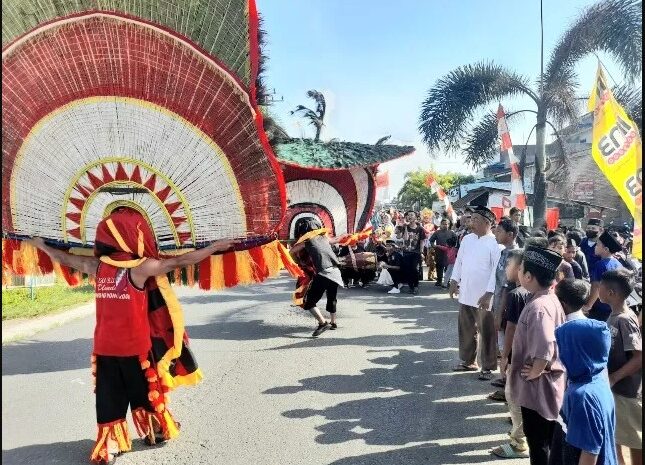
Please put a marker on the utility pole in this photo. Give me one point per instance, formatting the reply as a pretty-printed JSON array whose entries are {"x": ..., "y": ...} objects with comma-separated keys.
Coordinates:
[{"x": 270, "y": 98}]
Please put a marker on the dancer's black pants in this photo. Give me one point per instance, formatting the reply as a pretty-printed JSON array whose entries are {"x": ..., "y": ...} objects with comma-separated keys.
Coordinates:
[
  {"x": 120, "y": 382},
  {"x": 319, "y": 286}
]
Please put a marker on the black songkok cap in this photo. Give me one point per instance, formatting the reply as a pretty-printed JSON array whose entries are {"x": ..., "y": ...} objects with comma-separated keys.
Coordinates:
[
  {"x": 595, "y": 222},
  {"x": 486, "y": 213},
  {"x": 543, "y": 258},
  {"x": 610, "y": 242}
]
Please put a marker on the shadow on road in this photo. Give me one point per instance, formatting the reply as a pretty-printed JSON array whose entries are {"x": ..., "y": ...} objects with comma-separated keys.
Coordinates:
[
  {"x": 417, "y": 398},
  {"x": 27, "y": 357},
  {"x": 425, "y": 453},
  {"x": 411, "y": 339},
  {"x": 68, "y": 453},
  {"x": 241, "y": 330}
]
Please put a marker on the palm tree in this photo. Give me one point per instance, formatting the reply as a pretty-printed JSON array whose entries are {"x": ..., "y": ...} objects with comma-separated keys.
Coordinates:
[
  {"x": 610, "y": 26},
  {"x": 382, "y": 140},
  {"x": 315, "y": 117}
]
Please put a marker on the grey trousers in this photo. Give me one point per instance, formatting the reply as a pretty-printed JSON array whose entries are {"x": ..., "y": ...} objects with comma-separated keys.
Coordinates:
[
  {"x": 474, "y": 323},
  {"x": 518, "y": 438}
]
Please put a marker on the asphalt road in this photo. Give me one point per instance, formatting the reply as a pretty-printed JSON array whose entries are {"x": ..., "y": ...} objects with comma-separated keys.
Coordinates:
[{"x": 378, "y": 391}]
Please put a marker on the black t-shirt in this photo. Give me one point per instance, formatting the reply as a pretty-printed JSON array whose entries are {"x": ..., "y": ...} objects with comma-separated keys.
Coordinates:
[
  {"x": 515, "y": 302},
  {"x": 442, "y": 237},
  {"x": 414, "y": 237}
]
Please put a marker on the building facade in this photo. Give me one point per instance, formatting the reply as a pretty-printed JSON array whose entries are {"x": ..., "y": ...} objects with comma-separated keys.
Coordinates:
[{"x": 575, "y": 184}]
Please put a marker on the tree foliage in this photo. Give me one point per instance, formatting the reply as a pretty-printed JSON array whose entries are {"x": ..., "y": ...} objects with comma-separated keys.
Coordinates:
[
  {"x": 415, "y": 191},
  {"x": 315, "y": 117},
  {"x": 448, "y": 114}
]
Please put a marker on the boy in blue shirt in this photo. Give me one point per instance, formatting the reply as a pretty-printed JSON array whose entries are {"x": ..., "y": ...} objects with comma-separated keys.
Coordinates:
[
  {"x": 606, "y": 247},
  {"x": 588, "y": 409}
]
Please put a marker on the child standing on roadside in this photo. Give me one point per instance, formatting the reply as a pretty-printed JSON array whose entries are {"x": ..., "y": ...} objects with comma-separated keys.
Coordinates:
[
  {"x": 605, "y": 248},
  {"x": 573, "y": 295},
  {"x": 450, "y": 252},
  {"x": 588, "y": 417},
  {"x": 536, "y": 375},
  {"x": 625, "y": 362},
  {"x": 515, "y": 301}
]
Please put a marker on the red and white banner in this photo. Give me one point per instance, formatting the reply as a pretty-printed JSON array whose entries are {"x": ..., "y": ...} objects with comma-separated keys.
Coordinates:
[
  {"x": 436, "y": 188},
  {"x": 518, "y": 198}
]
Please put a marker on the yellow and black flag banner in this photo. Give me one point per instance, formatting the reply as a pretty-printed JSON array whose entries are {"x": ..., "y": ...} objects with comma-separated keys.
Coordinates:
[{"x": 617, "y": 149}]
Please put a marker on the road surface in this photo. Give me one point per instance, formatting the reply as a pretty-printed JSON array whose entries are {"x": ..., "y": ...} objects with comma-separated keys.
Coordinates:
[{"x": 378, "y": 391}]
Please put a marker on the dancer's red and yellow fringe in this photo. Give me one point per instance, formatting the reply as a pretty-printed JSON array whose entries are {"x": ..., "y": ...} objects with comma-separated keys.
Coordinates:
[{"x": 215, "y": 272}]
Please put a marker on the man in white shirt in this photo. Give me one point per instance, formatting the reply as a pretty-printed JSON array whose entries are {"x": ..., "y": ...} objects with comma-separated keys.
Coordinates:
[
  {"x": 472, "y": 278},
  {"x": 436, "y": 219}
]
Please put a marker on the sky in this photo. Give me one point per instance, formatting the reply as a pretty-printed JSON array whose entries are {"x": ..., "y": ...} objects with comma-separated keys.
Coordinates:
[{"x": 375, "y": 60}]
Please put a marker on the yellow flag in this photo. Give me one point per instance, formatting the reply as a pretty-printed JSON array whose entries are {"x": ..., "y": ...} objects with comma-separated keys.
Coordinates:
[{"x": 618, "y": 151}]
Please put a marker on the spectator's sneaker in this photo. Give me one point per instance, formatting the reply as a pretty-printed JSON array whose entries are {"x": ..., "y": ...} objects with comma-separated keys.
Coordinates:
[
  {"x": 394, "y": 290},
  {"x": 322, "y": 327}
]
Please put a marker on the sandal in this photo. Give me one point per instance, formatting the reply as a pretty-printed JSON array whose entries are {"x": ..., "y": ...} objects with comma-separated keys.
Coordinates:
[
  {"x": 507, "y": 451},
  {"x": 464, "y": 367},
  {"x": 500, "y": 383},
  {"x": 485, "y": 375},
  {"x": 111, "y": 460},
  {"x": 497, "y": 396},
  {"x": 322, "y": 327},
  {"x": 159, "y": 439}
]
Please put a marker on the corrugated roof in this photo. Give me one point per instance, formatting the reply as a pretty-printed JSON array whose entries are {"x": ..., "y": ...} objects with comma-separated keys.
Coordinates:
[
  {"x": 476, "y": 193},
  {"x": 306, "y": 152}
]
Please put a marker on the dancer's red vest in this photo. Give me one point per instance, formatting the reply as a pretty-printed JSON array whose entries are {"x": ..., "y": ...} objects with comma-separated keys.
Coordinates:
[{"x": 122, "y": 327}]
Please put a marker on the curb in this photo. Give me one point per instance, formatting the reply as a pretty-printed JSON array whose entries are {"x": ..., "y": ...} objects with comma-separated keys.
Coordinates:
[{"x": 29, "y": 328}]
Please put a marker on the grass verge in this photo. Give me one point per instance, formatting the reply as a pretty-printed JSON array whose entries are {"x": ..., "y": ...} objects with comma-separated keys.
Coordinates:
[{"x": 17, "y": 303}]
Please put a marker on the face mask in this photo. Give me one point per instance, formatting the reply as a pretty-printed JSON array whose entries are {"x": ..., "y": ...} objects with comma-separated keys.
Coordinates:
[{"x": 592, "y": 234}]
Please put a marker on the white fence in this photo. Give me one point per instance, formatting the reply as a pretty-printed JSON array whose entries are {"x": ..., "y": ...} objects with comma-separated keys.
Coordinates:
[{"x": 31, "y": 281}]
